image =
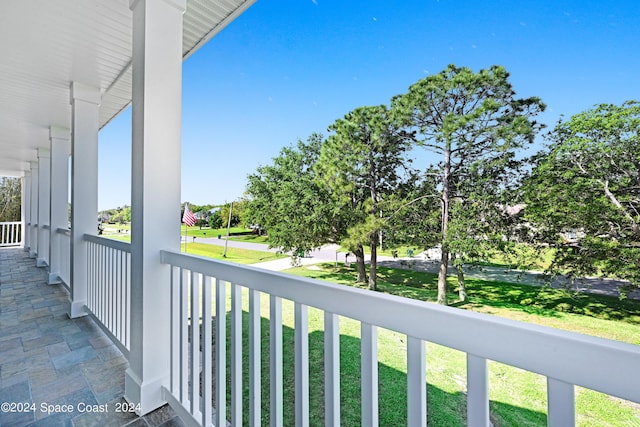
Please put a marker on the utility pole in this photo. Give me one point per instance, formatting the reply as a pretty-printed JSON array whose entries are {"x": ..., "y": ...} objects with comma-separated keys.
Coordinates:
[{"x": 226, "y": 242}]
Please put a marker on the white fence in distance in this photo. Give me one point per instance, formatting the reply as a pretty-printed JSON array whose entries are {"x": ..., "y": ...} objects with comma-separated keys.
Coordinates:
[{"x": 10, "y": 233}]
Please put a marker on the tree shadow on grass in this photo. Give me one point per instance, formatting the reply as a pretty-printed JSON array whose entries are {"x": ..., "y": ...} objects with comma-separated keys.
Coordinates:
[
  {"x": 537, "y": 300},
  {"x": 443, "y": 408},
  {"x": 549, "y": 302}
]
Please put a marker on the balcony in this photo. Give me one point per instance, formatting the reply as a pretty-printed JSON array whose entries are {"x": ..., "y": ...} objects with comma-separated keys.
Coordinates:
[
  {"x": 56, "y": 370},
  {"x": 87, "y": 321},
  {"x": 57, "y": 359}
]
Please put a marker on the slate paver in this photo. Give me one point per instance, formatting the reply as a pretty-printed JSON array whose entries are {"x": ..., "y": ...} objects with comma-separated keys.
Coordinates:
[{"x": 47, "y": 358}]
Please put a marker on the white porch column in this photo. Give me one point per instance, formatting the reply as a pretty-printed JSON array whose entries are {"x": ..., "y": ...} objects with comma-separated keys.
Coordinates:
[
  {"x": 26, "y": 210},
  {"x": 33, "y": 212},
  {"x": 85, "y": 101},
  {"x": 60, "y": 140},
  {"x": 155, "y": 187},
  {"x": 44, "y": 200}
]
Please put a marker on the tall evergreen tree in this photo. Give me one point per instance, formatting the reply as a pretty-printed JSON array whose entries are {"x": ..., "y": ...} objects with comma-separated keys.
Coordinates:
[
  {"x": 361, "y": 164},
  {"x": 475, "y": 123}
]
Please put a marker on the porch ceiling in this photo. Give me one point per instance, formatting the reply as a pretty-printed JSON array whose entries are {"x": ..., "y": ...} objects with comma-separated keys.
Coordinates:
[{"x": 47, "y": 44}]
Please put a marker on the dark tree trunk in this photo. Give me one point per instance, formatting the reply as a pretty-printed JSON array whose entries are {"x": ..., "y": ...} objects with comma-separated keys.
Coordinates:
[
  {"x": 362, "y": 271},
  {"x": 373, "y": 242},
  {"x": 373, "y": 265},
  {"x": 462, "y": 287},
  {"x": 444, "y": 259},
  {"x": 442, "y": 277}
]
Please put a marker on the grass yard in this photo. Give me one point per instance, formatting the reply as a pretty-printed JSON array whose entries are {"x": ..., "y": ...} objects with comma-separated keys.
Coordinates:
[
  {"x": 523, "y": 257},
  {"x": 518, "y": 398},
  {"x": 237, "y": 255},
  {"x": 542, "y": 305},
  {"x": 251, "y": 238},
  {"x": 123, "y": 231},
  {"x": 222, "y": 232}
]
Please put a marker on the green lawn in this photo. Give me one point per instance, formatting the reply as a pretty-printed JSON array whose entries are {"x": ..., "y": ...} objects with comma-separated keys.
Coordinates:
[
  {"x": 247, "y": 236},
  {"x": 115, "y": 228},
  {"x": 121, "y": 231},
  {"x": 518, "y": 398},
  {"x": 237, "y": 255},
  {"x": 211, "y": 232},
  {"x": 541, "y": 305},
  {"x": 251, "y": 238},
  {"x": 522, "y": 257}
]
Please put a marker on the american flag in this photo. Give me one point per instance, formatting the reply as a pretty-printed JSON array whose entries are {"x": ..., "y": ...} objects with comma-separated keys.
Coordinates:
[{"x": 188, "y": 217}]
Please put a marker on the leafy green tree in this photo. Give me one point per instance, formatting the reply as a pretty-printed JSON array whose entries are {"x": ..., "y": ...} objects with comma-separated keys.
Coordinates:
[
  {"x": 10, "y": 199},
  {"x": 285, "y": 199},
  {"x": 583, "y": 197},
  {"x": 126, "y": 214},
  {"x": 475, "y": 123},
  {"x": 413, "y": 214},
  {"x": 215, "y": 220},
  {"x": 121, "y": 215},
  {"x": 235, "y": 214},
  {"x": 361, "y": 165}
]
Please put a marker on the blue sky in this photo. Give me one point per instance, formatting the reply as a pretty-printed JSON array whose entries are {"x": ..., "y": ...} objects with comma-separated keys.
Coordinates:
[{"x": 288, "y": 68}]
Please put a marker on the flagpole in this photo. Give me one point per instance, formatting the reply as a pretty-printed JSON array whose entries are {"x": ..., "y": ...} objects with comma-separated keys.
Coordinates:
[
  {"x": 185, "y": 231},
  {"x": 187, "y": 219}
]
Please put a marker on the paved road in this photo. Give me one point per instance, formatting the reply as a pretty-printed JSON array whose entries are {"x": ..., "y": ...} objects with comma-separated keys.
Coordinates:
[{"x": 330, "y": 253}]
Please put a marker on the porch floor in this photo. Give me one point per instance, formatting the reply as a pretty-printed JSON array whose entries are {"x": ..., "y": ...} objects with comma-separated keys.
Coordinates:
[{"x": 47, "y": 359}]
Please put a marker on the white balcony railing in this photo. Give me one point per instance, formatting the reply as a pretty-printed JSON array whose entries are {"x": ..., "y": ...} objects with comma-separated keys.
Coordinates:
[
  {"x": 565, "y": 358},
  {"x": 64, "y": 250},
  {"x": 109, "y": 287},
  {"x": 10, "y": 233}
]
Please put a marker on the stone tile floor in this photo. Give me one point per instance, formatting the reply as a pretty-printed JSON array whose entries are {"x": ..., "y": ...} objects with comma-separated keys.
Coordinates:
[{"x": 54, "y": 368}]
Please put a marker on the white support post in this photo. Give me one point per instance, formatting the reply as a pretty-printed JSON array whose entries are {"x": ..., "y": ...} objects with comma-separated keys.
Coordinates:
[
  {"x": 561, "y": 403},
  {"x": 275, "y": 362},
  {"x": 60, "y": 140},
  {"x": 369, "y": 374},
  {"x": 155, "y": 192},
  {"x": 416, "y": 383},
  {"x": 236, "y": 354},
  {"x": 85, "y": 101},
  {"x": 477, "y": 392},
  {"x": 44, "y": 198},
  {"x": 301, "y": 365},
  {"x": 33, "y": 212},
  {"x": 26, "y": 210},
  {"x": 220, "y": 401},
  {"x": 255, "y": 356},
  {"x": 331, "y": 369}
]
